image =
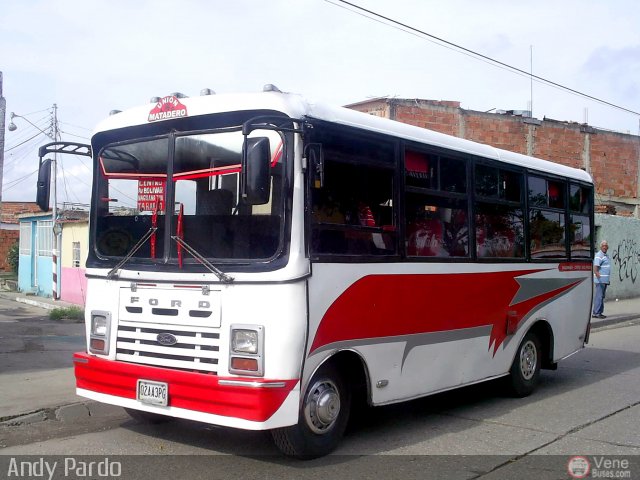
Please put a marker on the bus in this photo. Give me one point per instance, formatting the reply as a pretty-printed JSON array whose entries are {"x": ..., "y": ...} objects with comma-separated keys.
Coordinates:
[{"x": 265, "y": 262}]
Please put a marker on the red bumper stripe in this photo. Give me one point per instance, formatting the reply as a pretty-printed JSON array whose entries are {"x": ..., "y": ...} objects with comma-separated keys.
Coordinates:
[{"x": 191, "y": 391}]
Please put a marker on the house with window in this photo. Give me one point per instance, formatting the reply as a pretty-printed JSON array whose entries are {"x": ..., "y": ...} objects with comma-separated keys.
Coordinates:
[{"x": 36, "y": 262}]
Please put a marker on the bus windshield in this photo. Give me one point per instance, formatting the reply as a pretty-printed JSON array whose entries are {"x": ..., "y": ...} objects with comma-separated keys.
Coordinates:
[{"x": 170, "y": 198}]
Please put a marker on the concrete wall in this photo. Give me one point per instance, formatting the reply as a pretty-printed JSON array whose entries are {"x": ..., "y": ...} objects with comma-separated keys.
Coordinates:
[
  {"x": 623, "y": 236},
  {"x": 73, "y": 285},
  {"x": 43, "y": 275}
]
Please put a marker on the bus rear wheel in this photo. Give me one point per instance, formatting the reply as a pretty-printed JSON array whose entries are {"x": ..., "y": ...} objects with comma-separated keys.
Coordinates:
[
  {"x": 525, "y": 370},
  {"x": 322, "y": 420}
]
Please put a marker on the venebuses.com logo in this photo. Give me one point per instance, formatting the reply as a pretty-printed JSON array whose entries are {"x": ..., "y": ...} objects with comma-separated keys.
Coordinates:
[
  {"x": 579, "y": 467},
  {"x": 599, "y": 467}
]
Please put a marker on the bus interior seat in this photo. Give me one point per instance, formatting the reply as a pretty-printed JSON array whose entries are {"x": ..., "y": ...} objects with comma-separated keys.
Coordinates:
[{"x": 215, "y": 202}]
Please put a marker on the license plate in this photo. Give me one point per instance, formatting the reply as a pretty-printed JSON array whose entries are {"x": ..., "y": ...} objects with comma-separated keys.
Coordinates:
[{"x": 153, "y": 393}]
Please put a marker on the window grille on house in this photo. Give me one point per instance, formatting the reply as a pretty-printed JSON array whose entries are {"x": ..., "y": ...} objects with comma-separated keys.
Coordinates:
[
  {"x": 45, "y": 238},
  {"x": 25, "y": 238},
  {"x": 76, "y": 254}
]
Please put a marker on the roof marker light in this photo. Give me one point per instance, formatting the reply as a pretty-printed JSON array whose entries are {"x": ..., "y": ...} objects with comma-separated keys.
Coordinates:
[
  {"x": 270, "y": 87},
  {"x": 179, "y": 95},
  {"x": 114, "y": 112},
  {"x": 206, "y": 91},
  {"x": 154, "y": 100}
]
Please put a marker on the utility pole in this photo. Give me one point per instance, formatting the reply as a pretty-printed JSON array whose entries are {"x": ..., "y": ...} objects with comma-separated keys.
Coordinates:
[
  {"x": 57, "y": 228},
  {"x": 3, "y": 110}
]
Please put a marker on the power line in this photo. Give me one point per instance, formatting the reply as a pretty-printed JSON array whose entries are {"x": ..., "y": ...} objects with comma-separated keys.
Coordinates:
[
  {"x": 14, "y": 183},
  {"x": 22, "y": 143},
  {"x": 445, "y": 43},
  {"x": 73, "y": 134},
  {"x": 75, "y": 126}
]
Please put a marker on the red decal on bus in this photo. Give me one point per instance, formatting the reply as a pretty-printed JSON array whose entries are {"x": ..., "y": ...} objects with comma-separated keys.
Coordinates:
[{"x": 379, "y": 306}]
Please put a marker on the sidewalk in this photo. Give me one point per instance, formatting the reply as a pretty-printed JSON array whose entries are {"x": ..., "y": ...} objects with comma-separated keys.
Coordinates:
[
  {"x": 36, "y": 301},
  {"x": 618, "y": 311}
]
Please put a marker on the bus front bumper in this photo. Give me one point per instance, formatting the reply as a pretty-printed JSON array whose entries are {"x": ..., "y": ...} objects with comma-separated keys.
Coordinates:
[{"x": 239, "y": 402}]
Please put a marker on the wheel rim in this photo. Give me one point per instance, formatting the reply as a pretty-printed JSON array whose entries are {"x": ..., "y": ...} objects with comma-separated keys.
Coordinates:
[
  {"x": 322, "y": 406},
  {"x": 528, "y": 360}
]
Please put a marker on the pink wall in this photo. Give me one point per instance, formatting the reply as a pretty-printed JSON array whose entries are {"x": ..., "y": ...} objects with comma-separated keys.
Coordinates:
[{"x": 73, "y": 286}]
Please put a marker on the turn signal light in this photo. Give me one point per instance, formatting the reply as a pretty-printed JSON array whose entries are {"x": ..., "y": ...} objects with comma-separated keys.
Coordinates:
[
  {"x": 248, "y": 364},
  {"x": 97, "y": 345}
]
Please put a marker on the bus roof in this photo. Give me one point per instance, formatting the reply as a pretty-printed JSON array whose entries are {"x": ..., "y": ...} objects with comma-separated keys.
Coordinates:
[{"x": 297, "y": 106}]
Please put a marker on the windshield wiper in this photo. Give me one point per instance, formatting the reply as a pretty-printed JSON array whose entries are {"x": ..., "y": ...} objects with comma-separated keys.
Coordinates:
[
  {"x": 133, "y": 251},
  {"x": 216, "y": 271}
]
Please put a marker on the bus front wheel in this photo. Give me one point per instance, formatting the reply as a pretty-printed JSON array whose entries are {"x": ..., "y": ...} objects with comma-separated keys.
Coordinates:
[
  {"x": 525, "y": 370},
  {"x": 322, "y": 420}
]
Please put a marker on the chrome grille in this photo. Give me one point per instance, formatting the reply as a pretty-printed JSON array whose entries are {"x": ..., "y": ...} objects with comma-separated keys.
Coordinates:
[{"x": 196, "y": 349}]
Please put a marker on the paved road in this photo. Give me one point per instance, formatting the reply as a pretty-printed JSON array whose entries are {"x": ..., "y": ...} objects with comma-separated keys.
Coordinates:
[
  {"x": 35, "y": 359},
  {"x": 590, "y": 407}
]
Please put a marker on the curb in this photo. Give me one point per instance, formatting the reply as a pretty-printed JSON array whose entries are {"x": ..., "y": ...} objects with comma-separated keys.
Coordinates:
[
  {"x": 68, "y": 413},
  {"x": 22, "y": 298},
  {"x": 608, "y": 322},
  {"x": 35, "y": 303}
]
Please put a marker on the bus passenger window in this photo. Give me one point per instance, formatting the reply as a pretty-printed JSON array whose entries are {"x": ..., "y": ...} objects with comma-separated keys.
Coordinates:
[
  {"x": 499, "y": 231},
  {"x": 352, "y": 213},
  {"x": 547, "y": 232},
  {"x": 436, "y": 227}
]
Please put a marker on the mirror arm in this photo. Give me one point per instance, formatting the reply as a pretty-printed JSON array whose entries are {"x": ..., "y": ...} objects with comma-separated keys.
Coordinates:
[{"x": 276, "y": 122}]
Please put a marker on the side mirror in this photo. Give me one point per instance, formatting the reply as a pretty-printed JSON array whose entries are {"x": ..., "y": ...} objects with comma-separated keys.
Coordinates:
[
  {"x": 316, "y": 162},
  {"x": 43, "y": 186},
  {"x": 256, "y": 164}
]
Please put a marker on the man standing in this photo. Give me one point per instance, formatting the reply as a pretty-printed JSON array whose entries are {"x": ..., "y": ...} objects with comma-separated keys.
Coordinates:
[{"x": 601, "y": 272}]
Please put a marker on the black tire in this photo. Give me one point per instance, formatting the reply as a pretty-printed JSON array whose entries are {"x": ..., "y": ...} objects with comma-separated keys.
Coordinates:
[
  {"x": 525, "y": 370},
  {"x": 146, "y": 417},
  {"x": 322, "y": 419}
]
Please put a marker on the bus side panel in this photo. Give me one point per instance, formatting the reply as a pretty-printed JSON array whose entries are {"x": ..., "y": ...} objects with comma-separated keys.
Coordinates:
[{"x": 424, "y": 328}]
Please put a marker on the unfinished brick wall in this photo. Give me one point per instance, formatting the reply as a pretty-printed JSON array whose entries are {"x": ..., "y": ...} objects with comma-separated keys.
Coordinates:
[
  {"x": 611, "y": 158},
  {"x": 9, "y": 212},
  {"x": 560, "y": 143},
  {"x": 7, "y": 239},
  {"x": 614, "y": 164},
  {"x": 506, "y": 133}
]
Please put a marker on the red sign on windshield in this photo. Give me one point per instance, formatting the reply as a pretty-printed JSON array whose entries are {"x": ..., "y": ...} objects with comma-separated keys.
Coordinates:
[{"x": 150, "y": 192}]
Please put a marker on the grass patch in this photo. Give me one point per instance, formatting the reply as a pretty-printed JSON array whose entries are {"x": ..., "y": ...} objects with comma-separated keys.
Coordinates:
[{"x": 67, "y": 313}]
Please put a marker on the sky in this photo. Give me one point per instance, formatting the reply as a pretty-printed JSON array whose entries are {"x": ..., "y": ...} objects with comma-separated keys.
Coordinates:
[{"x": 91, "y": 56}]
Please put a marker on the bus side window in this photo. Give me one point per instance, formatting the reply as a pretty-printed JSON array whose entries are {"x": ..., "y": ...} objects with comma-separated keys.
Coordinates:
[{"x": 348, "y": 211}]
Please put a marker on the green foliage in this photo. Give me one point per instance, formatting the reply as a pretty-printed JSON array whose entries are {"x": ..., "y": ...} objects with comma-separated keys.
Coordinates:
[
  {"x": 12, "y": 257},
  {"x": 67, "y": 313}
]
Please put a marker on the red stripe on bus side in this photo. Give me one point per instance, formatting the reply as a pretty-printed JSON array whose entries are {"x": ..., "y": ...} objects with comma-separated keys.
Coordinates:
[{"x": 378, "y": 306}]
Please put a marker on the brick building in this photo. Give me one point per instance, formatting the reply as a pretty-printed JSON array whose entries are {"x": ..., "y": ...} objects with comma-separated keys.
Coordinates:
[
  {"x": 10, "y": 227},
  {"x": 612, "y": 158}
]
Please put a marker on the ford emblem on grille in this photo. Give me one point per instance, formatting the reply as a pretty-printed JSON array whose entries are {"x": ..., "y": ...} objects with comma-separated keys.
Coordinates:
[{"x": 167, "y": 339}]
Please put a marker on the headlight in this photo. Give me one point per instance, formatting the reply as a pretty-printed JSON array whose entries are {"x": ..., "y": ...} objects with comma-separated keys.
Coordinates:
[
  {"x": 100, "y": 332},
  {"x": 246, "y": 350},
  {"x": 99, "y": 325},
  {"x": 244, "y": 341}
]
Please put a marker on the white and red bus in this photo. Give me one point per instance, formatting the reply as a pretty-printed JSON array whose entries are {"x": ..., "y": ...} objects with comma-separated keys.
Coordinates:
[{"x": 260, "y": 261}]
